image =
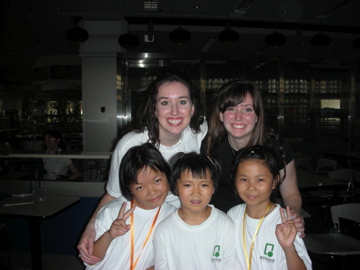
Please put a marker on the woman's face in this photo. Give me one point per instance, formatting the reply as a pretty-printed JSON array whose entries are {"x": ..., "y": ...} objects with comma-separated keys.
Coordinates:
[
  {"x": 240, "y": 120},
  {"x": 173, "y": 109},
  {"x": 51, "y": 143}
]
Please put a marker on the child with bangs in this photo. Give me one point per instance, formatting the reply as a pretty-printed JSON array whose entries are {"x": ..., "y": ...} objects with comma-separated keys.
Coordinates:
[
  {"x": 124, "y": 227},
  {"x": 197, "y": 235},
  {"x": 266, "y": 236}
]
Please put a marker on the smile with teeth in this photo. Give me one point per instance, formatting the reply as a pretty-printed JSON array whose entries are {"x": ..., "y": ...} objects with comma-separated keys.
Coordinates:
[
  {"x": 175, "y": 121},
  {"x": 238, "y": 126},
  {"x": 195, "y": 201}
]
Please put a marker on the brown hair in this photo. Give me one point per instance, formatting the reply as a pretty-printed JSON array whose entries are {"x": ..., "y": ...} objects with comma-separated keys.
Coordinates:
[
  {"x": 146, "y": 117},
  {"x": 229, "y": 95}
]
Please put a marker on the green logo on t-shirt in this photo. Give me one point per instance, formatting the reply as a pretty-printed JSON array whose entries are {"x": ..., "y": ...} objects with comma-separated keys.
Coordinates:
[
  {"x": 269, "y": 248},
  {"x": 216, "y": 252}
]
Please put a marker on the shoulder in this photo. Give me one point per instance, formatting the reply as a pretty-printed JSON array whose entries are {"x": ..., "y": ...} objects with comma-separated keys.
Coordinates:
[
  {"x": 167, "y": 223},
  {"x": 276, "y": 144},
  {"x": 237, "y": 211},
  {"x": 129, "y": 140},
  {"x": 202, "y": 133},
  {"x": 113, "y": 207},
  {"x": 132, "y": 138},
  {"x": 220, "y": 215},
  {"x": 221, "y": 148},
  {"x": 204, "y": 128},
  {"x": 167, "y": 208}
]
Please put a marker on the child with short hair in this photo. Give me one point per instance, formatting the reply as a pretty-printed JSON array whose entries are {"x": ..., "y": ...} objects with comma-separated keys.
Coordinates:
[
  {"x": 197, "y": 235},
  {"x": 266, "y": 234},
  {"x": 143, "y": 178}
]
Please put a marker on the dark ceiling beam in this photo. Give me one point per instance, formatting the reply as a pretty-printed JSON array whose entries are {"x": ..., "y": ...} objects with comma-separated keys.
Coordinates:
[{"x": 245, "y": 24}]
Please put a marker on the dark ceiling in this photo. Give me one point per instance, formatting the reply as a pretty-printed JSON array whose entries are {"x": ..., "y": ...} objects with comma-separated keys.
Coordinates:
[{"x": 35, "y": 28}]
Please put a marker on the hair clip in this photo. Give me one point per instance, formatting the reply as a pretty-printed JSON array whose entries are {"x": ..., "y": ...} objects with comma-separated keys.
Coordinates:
[
  {"x": 252, "y": 152},
  {"x": 212, "y": 162}
]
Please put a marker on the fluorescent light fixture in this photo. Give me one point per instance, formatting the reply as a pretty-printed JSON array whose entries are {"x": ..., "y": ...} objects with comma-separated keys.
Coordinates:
[{"x": 150, "y": 5}]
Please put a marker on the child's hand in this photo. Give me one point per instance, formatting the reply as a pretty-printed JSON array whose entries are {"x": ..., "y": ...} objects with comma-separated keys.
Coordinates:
[
  {"x": 286, "y": 231},
  {"x": 119, "y": 226}
]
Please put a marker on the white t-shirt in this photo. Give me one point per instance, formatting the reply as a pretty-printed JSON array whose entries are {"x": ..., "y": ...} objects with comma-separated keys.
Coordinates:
[
  {"x": 118, "y": 254},
  {"x": 267, "y": 253},
  {"x": 209, "y": 245},
  {"x": 189, "y": 142},
  {"x": 55, "y": 167}
]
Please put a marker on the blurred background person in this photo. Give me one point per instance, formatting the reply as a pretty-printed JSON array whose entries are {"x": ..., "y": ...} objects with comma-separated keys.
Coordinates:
[{"x": 57, "y": 168}]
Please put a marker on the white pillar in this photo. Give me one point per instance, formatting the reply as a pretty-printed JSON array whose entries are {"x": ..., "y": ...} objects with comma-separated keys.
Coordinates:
[{"x": 99, "y": 70}]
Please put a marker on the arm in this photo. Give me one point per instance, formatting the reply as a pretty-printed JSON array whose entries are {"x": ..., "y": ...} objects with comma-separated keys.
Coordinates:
[
  {"x": 74, "y": 171},
  {"x": 85, "y": 245},
  {"x": 286, "y": 233},
  {"x": 291, "y": 196},
  {"x": 289, "y": 189},
  {"x": 118, "y": 228}
]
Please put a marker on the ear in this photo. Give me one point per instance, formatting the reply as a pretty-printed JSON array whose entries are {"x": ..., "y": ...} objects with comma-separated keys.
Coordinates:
[
  {"x": 221, "y": 116},
  {"x": 276, "y": 181},
  {"x": 192, "y": 109}
]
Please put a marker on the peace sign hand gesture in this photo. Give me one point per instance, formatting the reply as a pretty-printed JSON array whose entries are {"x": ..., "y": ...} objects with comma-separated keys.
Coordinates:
[
  {"x": 286, "y": 231},
  {"x": 119, "y": 226}
]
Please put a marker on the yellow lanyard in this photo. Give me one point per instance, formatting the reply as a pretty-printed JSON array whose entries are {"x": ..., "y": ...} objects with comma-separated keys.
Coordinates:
[
  {"x": 248, "y": 260},
  {"x": 132, "y": 236}
]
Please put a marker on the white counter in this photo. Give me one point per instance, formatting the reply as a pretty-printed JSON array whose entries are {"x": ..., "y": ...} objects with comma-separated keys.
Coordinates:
[{"x": 71, "y": 155}]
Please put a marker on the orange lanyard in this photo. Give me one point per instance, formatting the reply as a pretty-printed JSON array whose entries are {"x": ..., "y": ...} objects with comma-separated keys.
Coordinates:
[
  {"x": 132, "y": 237},
  {"x": 248, "y": 259}
]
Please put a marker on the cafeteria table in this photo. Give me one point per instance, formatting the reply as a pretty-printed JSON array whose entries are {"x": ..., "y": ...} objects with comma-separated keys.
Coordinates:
[
  {"x": 308, "y": 181},
  {"x": 27, "y": 207}
]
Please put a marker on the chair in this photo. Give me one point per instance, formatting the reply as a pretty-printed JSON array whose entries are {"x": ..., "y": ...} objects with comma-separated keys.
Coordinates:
[
  {"x": 336, "y": 243},
  {"x": 325, "y": 165},
  {"x": 303, "y": 161},
  {"x": 356, "y": 185},
  {"x": 346, "y": 175}
]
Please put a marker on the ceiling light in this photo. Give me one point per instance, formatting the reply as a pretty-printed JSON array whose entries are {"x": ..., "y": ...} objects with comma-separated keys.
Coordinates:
[
  {"x": 150, "y": 5},
  {"x": 77, "y": 34},
  {"x": 320, "y": 41},
  {"x": 228, "y": 36},
  {"x": 275, "y": 40},
  {"x": 180, "y": 36},
  {"x": 129, "y": 41}
]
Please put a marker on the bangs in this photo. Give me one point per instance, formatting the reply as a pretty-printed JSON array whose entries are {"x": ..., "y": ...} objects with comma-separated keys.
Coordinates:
[
  {"x": 198, "y": 172},
  {"x": 232, "y": 98}
]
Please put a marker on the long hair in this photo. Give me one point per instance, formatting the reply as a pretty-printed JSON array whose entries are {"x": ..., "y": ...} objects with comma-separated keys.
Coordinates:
[
  {"x": 146, "y": 118},
  {"x": 136, "y": 159},
  {"x": 229, "y": 95}
]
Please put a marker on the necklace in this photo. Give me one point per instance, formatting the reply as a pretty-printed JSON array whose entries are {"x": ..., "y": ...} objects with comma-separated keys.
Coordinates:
[
  {"x": 249, "y": 258},
  {"x": 132, "y": 236},
  {"x": 232, "y": 149}
]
